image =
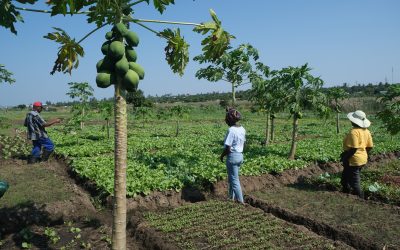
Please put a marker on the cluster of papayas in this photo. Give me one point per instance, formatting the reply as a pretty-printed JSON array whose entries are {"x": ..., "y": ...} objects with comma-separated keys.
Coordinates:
[{"x": 119, "y": 59}]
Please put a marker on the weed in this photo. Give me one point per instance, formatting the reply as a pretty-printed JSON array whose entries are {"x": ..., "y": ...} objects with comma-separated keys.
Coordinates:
[{"x": 52, "y": 235}]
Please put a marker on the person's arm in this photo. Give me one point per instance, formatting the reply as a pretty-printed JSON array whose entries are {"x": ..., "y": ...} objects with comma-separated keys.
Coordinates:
[
  {"x": 227, "y": 150},
  {"x": 346, "y": 155},
  {"x": 52, "y": 122}
]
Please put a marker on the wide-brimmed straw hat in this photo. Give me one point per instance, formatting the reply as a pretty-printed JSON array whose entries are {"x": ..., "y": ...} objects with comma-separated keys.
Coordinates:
[{"x": 358, "y": 117}]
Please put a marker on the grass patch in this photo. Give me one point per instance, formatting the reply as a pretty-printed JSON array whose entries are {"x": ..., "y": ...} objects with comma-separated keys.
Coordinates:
[
  {"x": 31, "y": 184},
  {"x": 372, "y": 221},
  {"x": 226, "y": 225}
]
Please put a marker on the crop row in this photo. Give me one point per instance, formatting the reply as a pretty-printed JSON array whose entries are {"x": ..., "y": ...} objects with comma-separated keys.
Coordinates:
[{"x": 159, "y": 160}]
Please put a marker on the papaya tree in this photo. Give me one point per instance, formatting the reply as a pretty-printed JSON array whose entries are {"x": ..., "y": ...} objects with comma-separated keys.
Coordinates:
[
  {"x": 334, "y": 95},
  {"x": 234, "y": 67},
  {"x": 265, "y": 94},
  {"x": 141, "y": 105},
  {"x": 113, "y": 69},
  {"x": 301, "y": 91},
  {"x": 144, "y": 112},
  {"x": 178, "y": 112},
  {"x": 390, "y": 115},
  {"x": 81, "y": 91},
  {"x": 106, "y": 112},
  {"x": 5, "y": 75}
]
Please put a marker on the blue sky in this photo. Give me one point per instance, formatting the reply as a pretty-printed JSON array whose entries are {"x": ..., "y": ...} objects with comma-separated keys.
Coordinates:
[{"x": 353, "y": 41}]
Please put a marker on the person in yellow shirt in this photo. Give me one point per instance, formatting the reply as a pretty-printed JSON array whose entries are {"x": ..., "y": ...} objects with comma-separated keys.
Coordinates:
[{"x": 356, "y": 146}]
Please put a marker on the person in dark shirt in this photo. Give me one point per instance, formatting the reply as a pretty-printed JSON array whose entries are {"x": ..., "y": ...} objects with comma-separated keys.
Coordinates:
[{"x": 38, "y": 135}]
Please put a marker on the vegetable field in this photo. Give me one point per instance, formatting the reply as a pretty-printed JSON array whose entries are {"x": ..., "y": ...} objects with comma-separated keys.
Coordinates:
[
  {"x": 280, "y": 215},
  {"x": 160, "y": 160}
]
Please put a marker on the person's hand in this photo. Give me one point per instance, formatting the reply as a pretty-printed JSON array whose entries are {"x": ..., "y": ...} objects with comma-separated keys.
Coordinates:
[
  {"x": 58, "y": 120},
  {"x": 221, "y": 158}
]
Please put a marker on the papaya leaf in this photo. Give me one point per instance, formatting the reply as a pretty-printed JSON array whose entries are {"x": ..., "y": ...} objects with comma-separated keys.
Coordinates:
[
  {"x": 106, "y": 11},
  {"x": 9, "y": 15},
  {"x": 218, "y": 40},
  {"x": 27, "y": 1},
  {"x": 64, "y": 7},
  {"x": 176, "y": 51},
  {"x": 67, "y": 56},
  {"x": 211, "y": 73},
  {"x": 160, "y": 4}
]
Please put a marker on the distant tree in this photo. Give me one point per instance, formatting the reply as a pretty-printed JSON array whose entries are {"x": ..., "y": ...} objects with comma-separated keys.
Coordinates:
[
  {"x": 301, "y": 91},
  {"x": 106, "y": 109},
  {"x": 234, "y": 67},
  {"x": 21, "y": 106},
  {"x": 137, "y": 99},
  {"x": 390, "y": 115},
  {"x": 178, "y": 112},
  {"x": 5, "y": 75},
  {"x": 144, "y": 112},
  {"x": 267, "y": 93},
  {"x": 93, "y": 103},
  {"x": 223, "y": 103},
  {"x": 335, "y": 95},
  {"x": 82, "y": 91}
]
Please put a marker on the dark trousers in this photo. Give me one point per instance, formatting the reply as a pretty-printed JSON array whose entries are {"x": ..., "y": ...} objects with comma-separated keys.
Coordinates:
[{"x": 351, "y": 180}]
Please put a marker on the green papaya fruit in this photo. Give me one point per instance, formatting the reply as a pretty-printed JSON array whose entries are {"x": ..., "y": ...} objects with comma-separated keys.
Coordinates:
[
  {"x": 103, "y": 79},
  {"x": 105, "y": 64},
  {"x": 130, "y": 55},
  {"x": 132, "y": 38},
  {"x": 109, "y": 35},
  {"x": 116, "y": 50},
  {"x": 105, "y": 47},
  {"x": 122, "y": 66},
  {"x": 138, "y": 69},
  {"x": 130, "y": 81},
  {"x": 121, "y": 29}
]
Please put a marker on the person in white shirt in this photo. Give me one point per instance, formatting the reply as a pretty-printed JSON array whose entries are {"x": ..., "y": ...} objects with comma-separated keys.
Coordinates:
[{"x": 233, "y": 149}]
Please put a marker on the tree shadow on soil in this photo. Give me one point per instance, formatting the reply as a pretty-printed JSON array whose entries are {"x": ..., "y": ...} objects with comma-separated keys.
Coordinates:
[{"x": 15, "y": 220}]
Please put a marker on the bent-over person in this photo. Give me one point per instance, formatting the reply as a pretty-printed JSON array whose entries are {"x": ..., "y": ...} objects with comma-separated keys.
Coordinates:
[{"x": 36, "y": 132}]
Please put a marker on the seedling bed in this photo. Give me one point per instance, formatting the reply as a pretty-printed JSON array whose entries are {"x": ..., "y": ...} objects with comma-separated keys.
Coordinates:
[
  {"x": 359, "y": 223},
  {"x": 224, "y": 225}
]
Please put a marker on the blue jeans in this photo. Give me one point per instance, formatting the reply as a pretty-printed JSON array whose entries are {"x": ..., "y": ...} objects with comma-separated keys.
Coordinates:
[
  {"x": 46, "y": 143},
  {"x": 233, "y": 162}
]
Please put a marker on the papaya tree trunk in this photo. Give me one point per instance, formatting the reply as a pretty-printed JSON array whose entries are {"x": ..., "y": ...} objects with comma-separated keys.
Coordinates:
[
  {"x": 233, "y": 95},
  {"x": 82, "y": 117},
  {"x": 267, "y": 130},
  {"x": 294, "y": 137},
  {"x": 337, "y": 123},
  {"x": 120, "y": 162},
  {"x": 272, "y": 127}
]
